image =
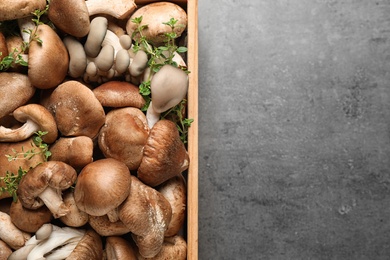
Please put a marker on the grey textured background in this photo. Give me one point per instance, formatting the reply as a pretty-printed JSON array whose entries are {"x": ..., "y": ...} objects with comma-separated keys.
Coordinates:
[{"x": 294, "y": 129}]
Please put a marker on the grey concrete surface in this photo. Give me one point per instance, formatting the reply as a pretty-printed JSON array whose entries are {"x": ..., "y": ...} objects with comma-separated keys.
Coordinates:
[{"x": 294, "y": 117}]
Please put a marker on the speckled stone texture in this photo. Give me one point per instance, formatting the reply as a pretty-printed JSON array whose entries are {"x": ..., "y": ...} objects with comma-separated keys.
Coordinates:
[{"x": 294, "y": 116}]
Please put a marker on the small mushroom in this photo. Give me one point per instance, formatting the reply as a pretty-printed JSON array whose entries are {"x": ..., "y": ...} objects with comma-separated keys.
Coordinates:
[
  {"x": 14, "y": 46},
  {"x": 164, "y": 154},
  {"x": 139, "y": 63},
  {"x": 16, "y": 9},
  {"x": 77, "y": 56},
  {"x": 75, "y": 217},
  {"x": 70, "y": 16},
  {"x": 101, "y": 187},
  {"x": 35, "y": 118},
  {"x": 48, "y": 60},
  {"x": 120, "y": 248},
  {"x": 147, "y": 214},
  {"x": 124, "y": 135},
  {"x": 90, "y": 247},
  {"x": 122, "y": 61},
  {"x": 10, "y": 234},
  {"x": 119, "y": 94},
  {"x": 44, "y": 185},
  {"x": 105, "y": 59},
  {"x": 15, "y": 90},
  {"x": 96, "y": 36},
  {"x": 104, "y": 227},
  {"x": 119, "y": 9}
]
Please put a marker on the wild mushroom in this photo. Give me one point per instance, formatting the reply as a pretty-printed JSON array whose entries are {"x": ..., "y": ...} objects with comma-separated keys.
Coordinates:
[
  {"x": 104, "y": 227},
  {"x": 76, "y": 151},
  {"x": 119, "y": 248},
  {"x": 174, "y": 190},
  {"x": 15, "y": 90},
  {"x": 90, "y": 247},
  {"x": 119, "y": 94},
  {"x": 118, "y": 9},
  {"x": 19, "y": 8},
  {"x": 124, "y": 135},
  {"x": 168, "y": 87},
  {"x": 154, "y": 15},
  {"x": 44, "y": 184},
  {"x": 75, "y": 217},
  {"x": 70, "y": 16},
  {"x": 35, "y": 118},
  {"x": 101, "y": 187},
  {"x": 32, "y": 219},
  {"x": 164, "y": 154},
  {"x": 10, "y": 234},
  {"x": 77, "y": 56},
  {"x": 76, "y": 109},
  {"x": 173, "y": 248},
  {"x": 48, "y": 60}
]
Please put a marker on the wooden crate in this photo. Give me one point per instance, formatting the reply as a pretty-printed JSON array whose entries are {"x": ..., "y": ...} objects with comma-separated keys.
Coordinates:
[{"x": 192, "y": 180}]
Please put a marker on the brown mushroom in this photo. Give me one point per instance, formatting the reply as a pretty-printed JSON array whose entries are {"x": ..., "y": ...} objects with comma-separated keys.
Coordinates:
[
  {"x": 119, "y": 94},
  {"x": 104, "y": 227},
  {"x": 124, "y": 135},
  {"x": 101, "y": 187},
  {"x": 3, "y": 46},
  {"x": 90, "y": 247},
  {"x": 5, "y": 250},
  {"x": 35, "y": 118},
  {"x": 11, "y": 10},
  {"x": 75, "y": 217},
  {"x": 147, "y": 214},
  {"x": 120, "y": 248},
  {"x": 14, "y": 46},
  {"x": 164, "y": 154},
  {"x": 29, "y": 220},
  {"x": 15, "y": 90},
  {"x": 76, "y": 109},
  {"x": 173, "y": 248},
  {"x": 48, "y": 59},
  {"x": 10, "y": 234},
  {"x": 44, "y": 184}
]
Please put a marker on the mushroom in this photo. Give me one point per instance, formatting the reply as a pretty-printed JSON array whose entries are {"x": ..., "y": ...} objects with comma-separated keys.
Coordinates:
[
  {"x": 122, "y": 61},
  {"x": 147, "y": 214},
  {"x": 120, "y": 248},
  {"x": 105, "y": 59},
  {"x": 75, "y": 217},
  {"x": 104, "y": 227},
  {"x": 16, "y": 9},
  {"x": 5, "y": 250},
  {"x": 32, "y": 219},
  {"x": 48, "y": 60},
  {"x": 138, "y": 64},
  {"x": 98, "y": 30},
  {"x": 101, "y": 187},
  {"x": 173, "y": 248},
  {"x": 44, "y": 184},
  {"x": 164, "y": 154},
  {"x": 174, "y": 190},
  {"x": 14, "y": 46},
  {"x": 119, "y": 9},
  {"x": 70, "y": 16},
  {"x": 119, "y": 94},
  {"x": 168, "y": 87},
  {"x": 154, "y": 15},
  {"x": 10, "y": 234},
  {"x": 124, "y": 135},
  {"x": 35, "y": 118},
  {"x": 76, "y": 109},
  {"x": 77, "y": 56},
  {"x": 90, "y": 247},
  {"x": 3, "y": 46},
  {"x": 15, "y": 90},
  {"x": 76, "y": 151}
]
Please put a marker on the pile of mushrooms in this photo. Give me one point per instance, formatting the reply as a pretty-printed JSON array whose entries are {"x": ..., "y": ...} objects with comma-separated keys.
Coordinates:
[{"x": 113, "y": 185}]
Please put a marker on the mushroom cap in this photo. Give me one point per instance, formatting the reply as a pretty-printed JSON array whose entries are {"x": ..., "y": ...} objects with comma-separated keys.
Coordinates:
[
  {"x": 75, "y": 217},
  {"x": 120, "y": 248},
  {"x": 97, "y": 32},
  {"x": 40, "y": 116},
  {"x": 147, "y": 214},
  {"x": 77, "y": 56},
  {"x": 12, "y": 10},
  {"x": 29, "y": 220},
  {"x": 168, "y": 87},
  {"x": 48, "y": 61},
  {"x": 89, "y": 247},
  {"x": 175, "y": 191},
  {"x": 119, "y": 94},
  {"x": 119, "y": 9},
  {"x": 76, "y": 151},
  {"x": 76, "y": 109},
  {"x": 165, "y": 155},
  {"x": 15, "y": 90},
  {"x": 154, "y": 15},
  {"x": 124, "y": 136},
  {"x": 173, "y": 248},
  {"x": 104, "y": 227},
  {"x": 102, "y": 186},
  {"x": 55, "y": 174},
  {"x": 70, "y": 16}
]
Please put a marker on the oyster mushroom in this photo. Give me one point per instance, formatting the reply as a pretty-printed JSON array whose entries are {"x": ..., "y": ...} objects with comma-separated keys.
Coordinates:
[
  {"x": 44, "y": 184},
  {"x": 77, "y": 56}
]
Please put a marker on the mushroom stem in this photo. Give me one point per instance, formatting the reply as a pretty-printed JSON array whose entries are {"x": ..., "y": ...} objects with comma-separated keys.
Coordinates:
[
  {"x": 113, "y": 215},
  {"x": 152, "y": 116},
  {"x": 53, "y": 201},
  {"x": 118, "y": 9},
  {"x": 18, "y": 134},
  {"x": 26, "y": 28}
]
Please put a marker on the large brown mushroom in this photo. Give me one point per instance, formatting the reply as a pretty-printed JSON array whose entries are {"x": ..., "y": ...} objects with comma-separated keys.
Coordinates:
[
  {"x": 11, "y": 10},
  {"x": 120, "y": 248},
  {"x": 164, "y": 155},
  {"x": 173, "y": 248}
]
